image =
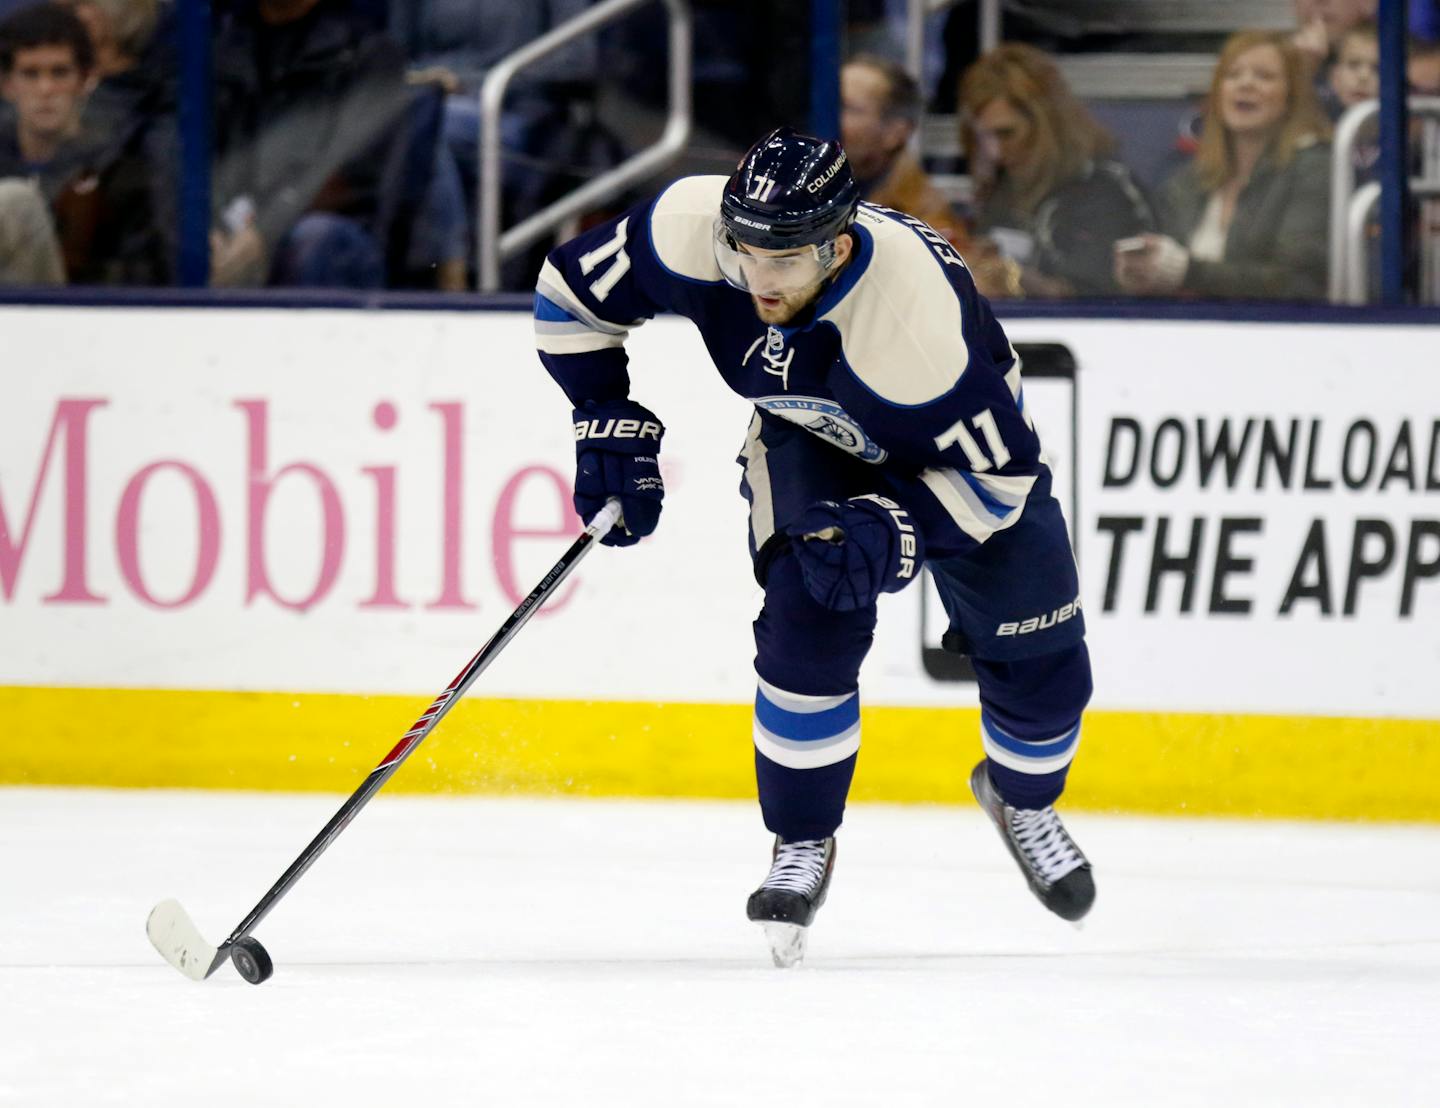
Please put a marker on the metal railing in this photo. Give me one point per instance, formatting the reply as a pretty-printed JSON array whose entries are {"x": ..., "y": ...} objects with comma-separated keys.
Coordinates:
[
  {"x": 916, "y": 12},
  {"x": 493, "y": 247},
  {"x": 1429, "y": 225},
  {"x": 1351, "y": 208}
]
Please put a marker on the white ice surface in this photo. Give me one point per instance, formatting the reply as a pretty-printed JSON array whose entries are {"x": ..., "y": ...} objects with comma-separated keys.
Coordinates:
[{"x": 527, "y": 952}]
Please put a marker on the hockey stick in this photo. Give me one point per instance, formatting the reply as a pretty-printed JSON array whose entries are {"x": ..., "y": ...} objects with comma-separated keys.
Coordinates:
[{"x": 169, "y": 926}]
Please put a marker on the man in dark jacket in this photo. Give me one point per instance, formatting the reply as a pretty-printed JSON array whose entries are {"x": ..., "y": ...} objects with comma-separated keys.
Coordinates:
[
  {"x": 308, "y": 96},
  {"x": 99, "y": 192}
]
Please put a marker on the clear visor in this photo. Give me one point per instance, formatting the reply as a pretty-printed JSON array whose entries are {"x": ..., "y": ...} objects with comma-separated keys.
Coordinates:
[{"x": 770, "y": 273}]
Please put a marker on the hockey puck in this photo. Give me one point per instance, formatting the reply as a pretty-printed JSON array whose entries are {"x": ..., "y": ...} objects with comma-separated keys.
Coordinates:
[{"x": 251, "y": 960}]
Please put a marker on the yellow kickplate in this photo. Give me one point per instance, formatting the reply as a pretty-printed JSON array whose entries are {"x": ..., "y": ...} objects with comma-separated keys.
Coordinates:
[{"x": 1179, "y": 763}]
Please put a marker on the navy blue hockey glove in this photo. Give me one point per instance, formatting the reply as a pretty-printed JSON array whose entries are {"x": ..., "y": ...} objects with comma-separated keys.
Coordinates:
[
  {"x": 617, "y": 448},
  {"x": 851, "y": 552}
]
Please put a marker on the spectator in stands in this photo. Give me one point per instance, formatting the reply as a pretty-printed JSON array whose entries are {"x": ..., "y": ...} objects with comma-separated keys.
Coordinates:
[
  {"x": 1310, "y": 37},
  {"x": 466, "y": 38},
  {"x": 99, "y": 195},
  {"x": 1422, "y": 68},
  {"x": 1320, "y": 24},
  {"x": 1354, "y": 77},
  {"x": 1249, "y": 217},
  {"x": 1339, "y": 16},
  {"x": 43, "y": 73},
  {"x": 1422, "y": 77},
  {"x": 456, "y": 43},
  {"x": 120, "y": 31},
  {"x": 1355, "y": 72},
  {"x": 46, "y": 62},
  {"x": 880, "y": 108},
  {"x": 135, "y": 69},
  {"x": 1048, "y": 196},
  {"x": 309, "y": 97},
  {"x": 133, "y": 104},
  {"x": 442, "y": 236}
]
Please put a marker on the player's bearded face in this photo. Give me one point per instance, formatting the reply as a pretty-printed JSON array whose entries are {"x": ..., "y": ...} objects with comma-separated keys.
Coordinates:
[
  {"x": 783, "y": 283},
  {"x": 782, "y": 308}
]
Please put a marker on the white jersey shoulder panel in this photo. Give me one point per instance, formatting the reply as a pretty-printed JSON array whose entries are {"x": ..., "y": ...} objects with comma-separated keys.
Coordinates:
[
  {"x": 900, "y": 325},
  {"x": 682, "y": 225}
]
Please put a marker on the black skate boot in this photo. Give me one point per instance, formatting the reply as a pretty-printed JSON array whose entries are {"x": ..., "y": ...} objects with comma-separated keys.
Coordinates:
[
  {"x": 1052, "y": 864},
  {"x": 786, "y": 903}
]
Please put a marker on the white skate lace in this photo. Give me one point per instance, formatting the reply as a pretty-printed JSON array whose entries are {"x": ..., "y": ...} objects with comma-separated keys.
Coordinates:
[
  {"x": 1043, "y": 840},
  {"x": 799, "y": 867}
]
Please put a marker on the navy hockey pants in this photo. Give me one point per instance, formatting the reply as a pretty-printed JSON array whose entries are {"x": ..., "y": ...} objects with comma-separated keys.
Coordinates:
[{"x": 1013, "y": 607}]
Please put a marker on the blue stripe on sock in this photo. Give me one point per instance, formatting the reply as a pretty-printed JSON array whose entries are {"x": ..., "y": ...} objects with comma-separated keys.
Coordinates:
[
  {"x": 806, "y": 726},
  {"x": 1021, "y": 749}
]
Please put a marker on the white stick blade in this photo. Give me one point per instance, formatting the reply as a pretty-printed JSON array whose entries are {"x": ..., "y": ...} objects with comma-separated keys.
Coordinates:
[{"x": 179, "y": 942}]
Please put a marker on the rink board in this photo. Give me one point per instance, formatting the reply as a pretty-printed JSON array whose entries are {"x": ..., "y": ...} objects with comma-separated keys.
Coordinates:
[{"x": 243, "y": 548}]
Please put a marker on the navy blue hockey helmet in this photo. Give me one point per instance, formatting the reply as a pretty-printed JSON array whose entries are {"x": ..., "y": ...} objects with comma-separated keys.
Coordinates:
[{"x": 790, "y": 190}]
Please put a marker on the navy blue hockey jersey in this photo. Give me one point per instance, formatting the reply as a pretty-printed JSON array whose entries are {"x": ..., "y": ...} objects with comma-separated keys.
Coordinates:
[{"x": 901, "y": 362}]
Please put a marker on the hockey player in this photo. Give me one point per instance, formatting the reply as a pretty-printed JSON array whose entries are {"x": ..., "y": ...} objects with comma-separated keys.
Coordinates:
[{"x": 889, "y": 432}]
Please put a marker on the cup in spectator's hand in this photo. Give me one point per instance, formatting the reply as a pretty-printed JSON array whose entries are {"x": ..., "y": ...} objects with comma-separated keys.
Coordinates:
[
  {"x": 1130, "y": 264},
  {"x": 237, "y": 259},
  {"x": 1150, "y": 264},
  {"x": 983, "y": 261}
]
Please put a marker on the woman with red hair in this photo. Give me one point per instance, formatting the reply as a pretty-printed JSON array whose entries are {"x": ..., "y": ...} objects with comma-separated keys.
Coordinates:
[{"x": 1249, "y": 217}]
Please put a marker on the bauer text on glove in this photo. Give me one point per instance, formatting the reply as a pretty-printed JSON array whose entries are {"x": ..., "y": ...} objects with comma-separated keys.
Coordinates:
[
  {"x": 851, "y": 551},
  {"x": 617, "y": 454}
]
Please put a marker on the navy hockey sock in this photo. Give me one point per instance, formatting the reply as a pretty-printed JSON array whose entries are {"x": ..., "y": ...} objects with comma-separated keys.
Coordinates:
[{"x": 805, "y": 753}]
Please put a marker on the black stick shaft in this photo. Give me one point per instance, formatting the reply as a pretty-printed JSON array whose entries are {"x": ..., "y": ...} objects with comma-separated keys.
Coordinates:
[{"x": 423, "y": 726}]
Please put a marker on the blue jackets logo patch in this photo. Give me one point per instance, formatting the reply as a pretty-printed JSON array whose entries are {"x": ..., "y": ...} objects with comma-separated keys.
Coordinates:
[{"x": 828, "y": 420}]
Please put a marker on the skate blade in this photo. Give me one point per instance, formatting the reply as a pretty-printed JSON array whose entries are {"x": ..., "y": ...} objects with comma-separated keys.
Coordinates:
[{"x": 787, "y": 943}]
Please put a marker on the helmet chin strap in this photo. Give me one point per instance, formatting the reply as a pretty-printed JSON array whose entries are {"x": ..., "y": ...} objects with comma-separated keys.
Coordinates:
[
  {"x": 833, "y": 265},
  {"x": 848, "y": 232}
]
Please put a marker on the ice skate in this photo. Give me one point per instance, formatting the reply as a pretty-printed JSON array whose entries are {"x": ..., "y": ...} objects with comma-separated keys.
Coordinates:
[
  {"x": 786, "y": 902},
  {"x": 1058, "y": 874}
]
